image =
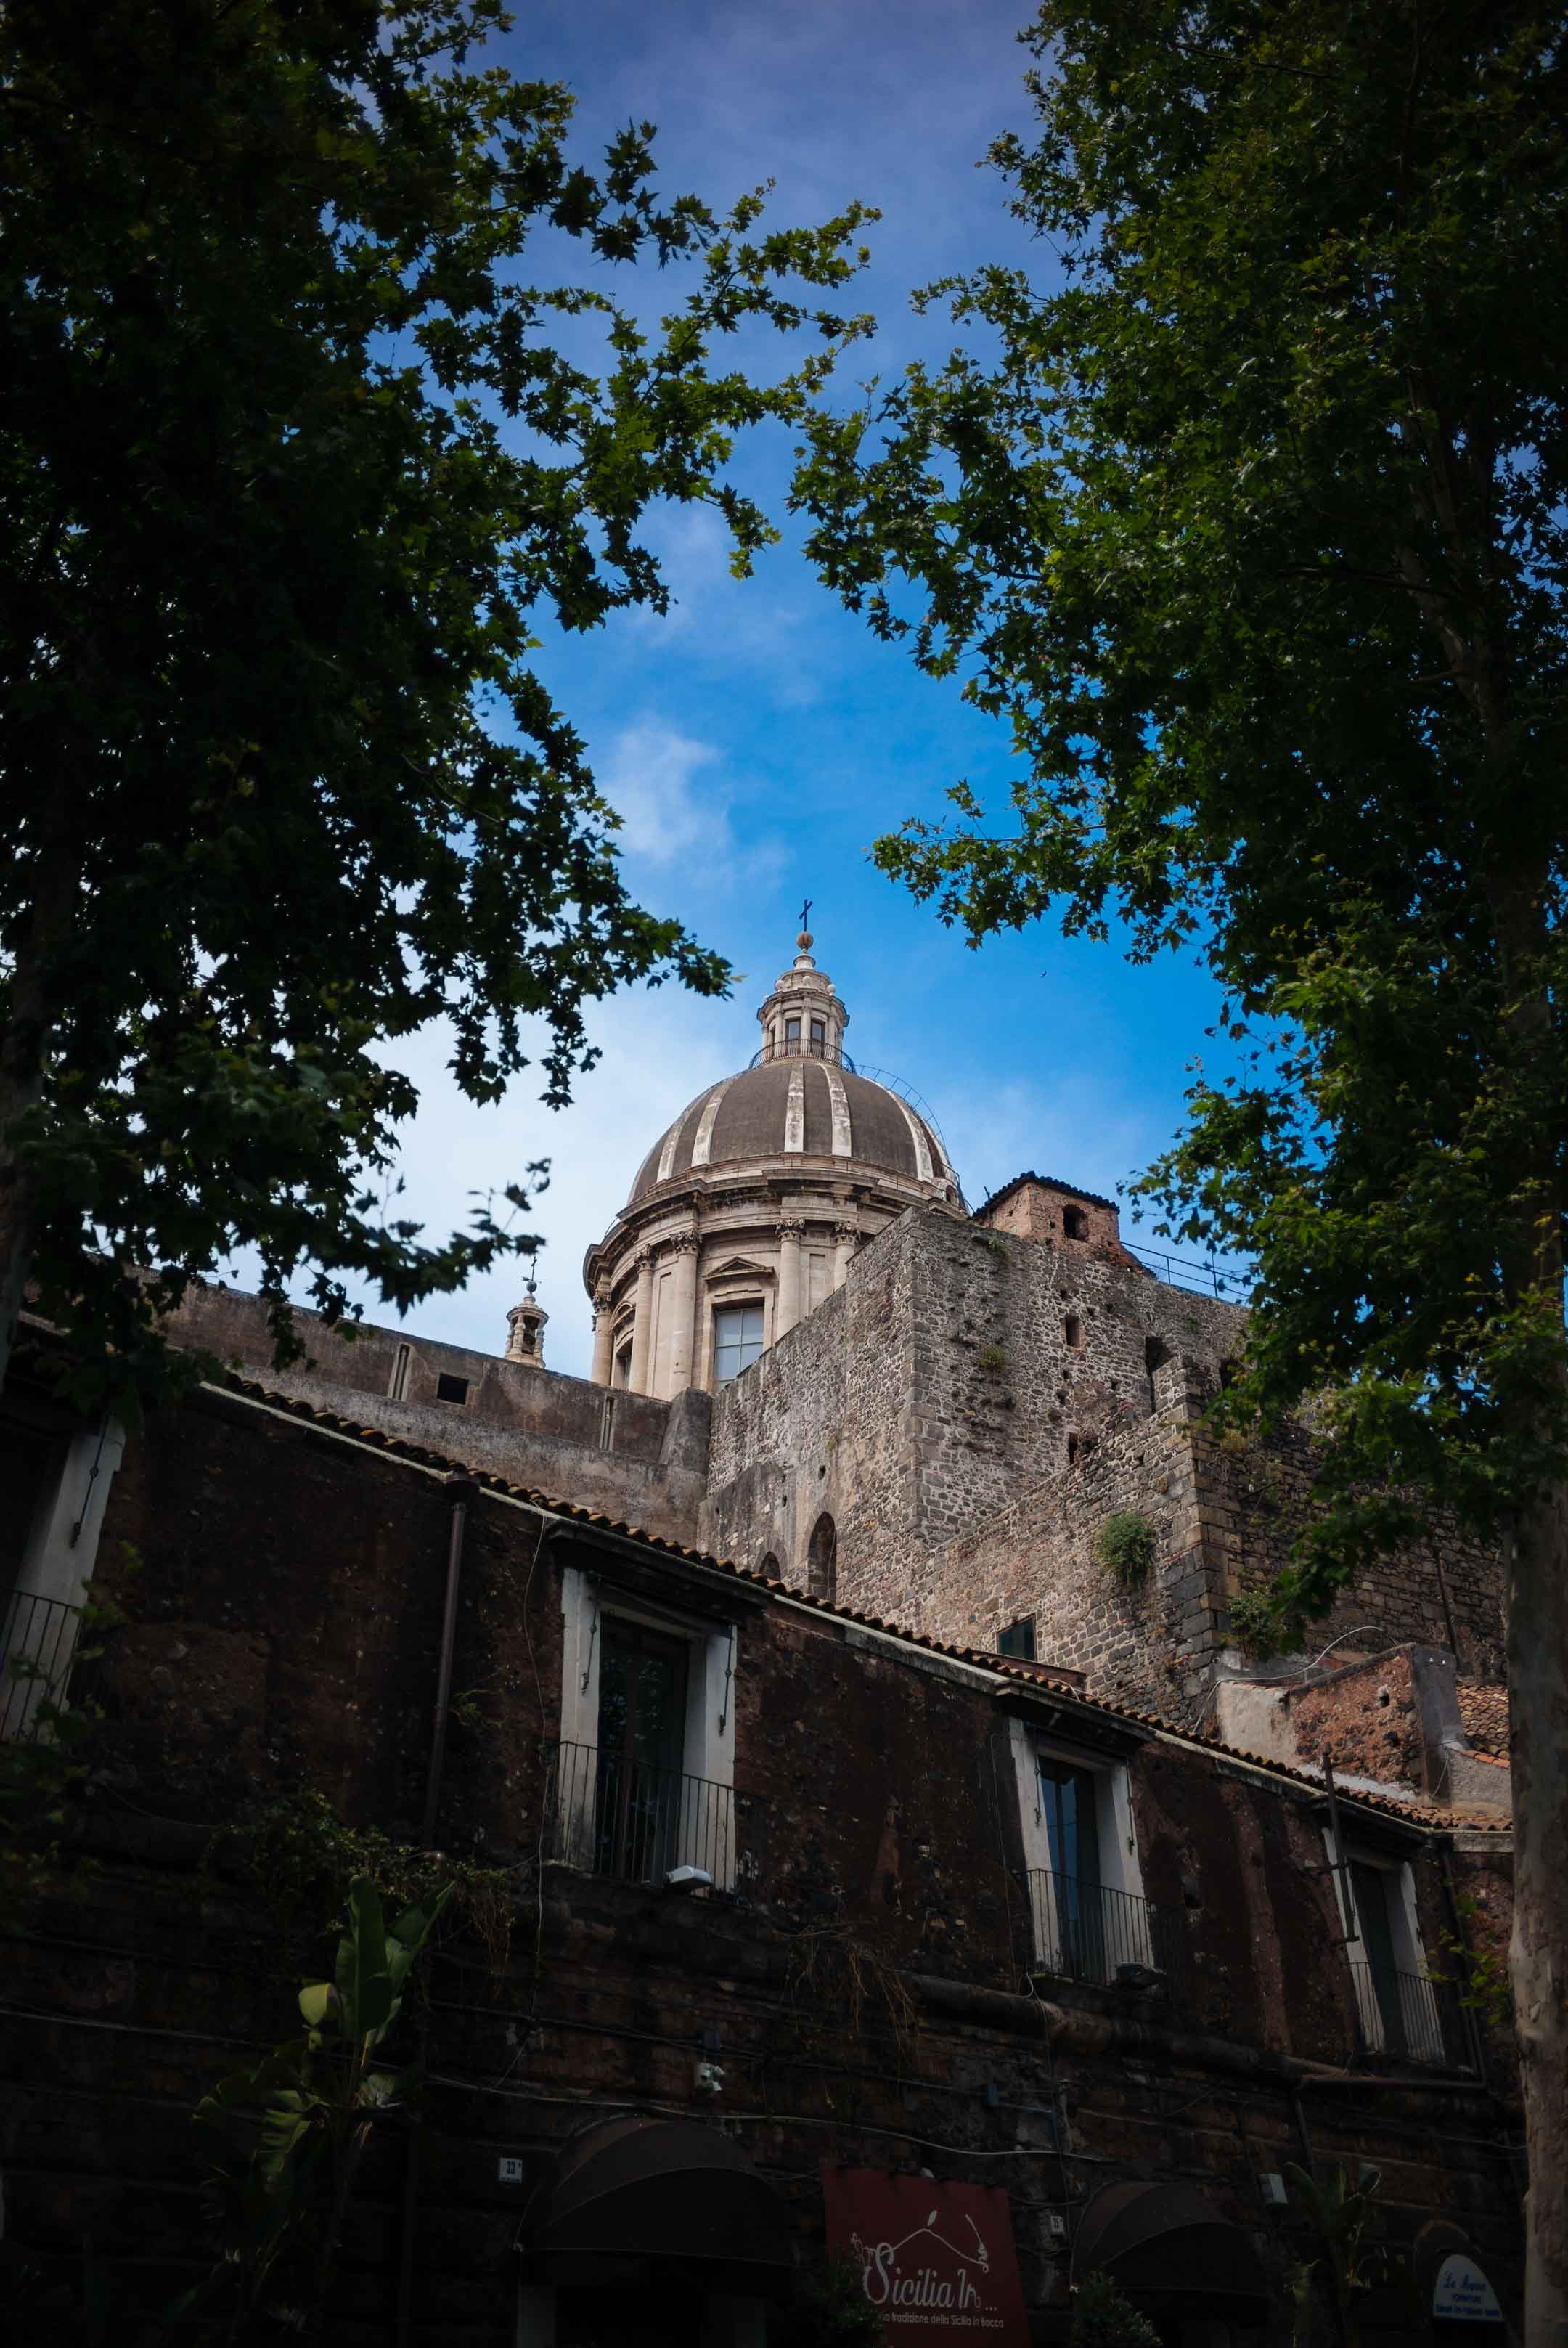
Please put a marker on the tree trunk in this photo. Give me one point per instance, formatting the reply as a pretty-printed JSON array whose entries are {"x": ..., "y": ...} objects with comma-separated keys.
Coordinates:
[{"x": 1537, "y": 1593}]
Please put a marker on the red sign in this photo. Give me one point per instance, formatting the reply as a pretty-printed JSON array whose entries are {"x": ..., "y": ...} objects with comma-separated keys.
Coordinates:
[{"x": 936, "y": 2260}]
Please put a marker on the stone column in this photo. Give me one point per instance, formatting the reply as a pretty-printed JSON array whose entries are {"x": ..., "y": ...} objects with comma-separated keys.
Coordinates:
[
  {"x": 603, "y": 1338},
  {"x": 843, "y": 1238},
  {"x": 682, "y": 1337},
  {"x": 643, "y": 1326},
  {"x": 786, "y": 1312}
]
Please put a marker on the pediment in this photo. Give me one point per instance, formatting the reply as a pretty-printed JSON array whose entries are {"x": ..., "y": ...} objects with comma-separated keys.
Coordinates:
[{"x": 741, "y": 1267}]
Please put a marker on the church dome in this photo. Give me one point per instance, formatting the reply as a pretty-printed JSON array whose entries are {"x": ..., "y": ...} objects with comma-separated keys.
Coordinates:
[
  {"x": 747, "y": 1212},
  {"x": 794, "y": 1105}
]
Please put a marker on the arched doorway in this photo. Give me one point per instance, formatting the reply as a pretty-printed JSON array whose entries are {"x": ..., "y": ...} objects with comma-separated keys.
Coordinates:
[
  {"x": 650, "y": 2233},
  {"x": 822, "y": 1560}
]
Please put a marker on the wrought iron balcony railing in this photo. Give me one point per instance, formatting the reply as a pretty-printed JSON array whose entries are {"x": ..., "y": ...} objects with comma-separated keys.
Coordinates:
[
  {"x": 39, "y": 1666},
  {"x": 612, "y": 1817},
  {"x": 1085, "y": 1932},
  {"x": 1407, "y": 2014}
]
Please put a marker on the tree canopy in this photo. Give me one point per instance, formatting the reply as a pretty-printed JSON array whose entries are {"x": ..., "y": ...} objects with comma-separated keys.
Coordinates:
[
  {"x": 1255, "y": 536},
  {"x": 1252, "y": 532},
  {"x": 316, "y": 386}
]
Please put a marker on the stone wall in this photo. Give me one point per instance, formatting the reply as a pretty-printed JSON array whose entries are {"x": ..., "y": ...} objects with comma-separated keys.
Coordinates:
[
  {"x": 1442, "y": 1592},
  {"x": 643, "y": 1462},
  {"x": 859, "y": 1991},
  {"x": 958, "y": 1365}
]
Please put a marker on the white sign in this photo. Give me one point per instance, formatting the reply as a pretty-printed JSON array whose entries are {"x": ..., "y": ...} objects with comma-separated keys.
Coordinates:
[
  {"x": 1463, "y": 2294},
  {"x": 509, "y": 2171}
]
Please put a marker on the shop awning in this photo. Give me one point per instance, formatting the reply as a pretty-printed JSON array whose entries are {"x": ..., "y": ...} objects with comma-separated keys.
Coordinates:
[
  {"x": 1170, "y": 2251},
  {"x": 660, "y": 2188}
]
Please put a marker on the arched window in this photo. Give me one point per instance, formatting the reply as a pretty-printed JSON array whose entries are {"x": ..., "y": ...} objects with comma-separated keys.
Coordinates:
[
  {"x": 768, "y": 1563},
  {"x": 822, "y": 1559}
]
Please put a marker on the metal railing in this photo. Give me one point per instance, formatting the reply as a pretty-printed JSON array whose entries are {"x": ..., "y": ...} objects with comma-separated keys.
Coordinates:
[
  {"x": 612, "y": 1817},
  {"x": 1231, "y": 1282},
  {"x": 1082, "y": 1931},
  {"x": 795, "y": 1047},
  {"x": 38, "y": 1653},
  {"x": 1407, "y": 2014}
]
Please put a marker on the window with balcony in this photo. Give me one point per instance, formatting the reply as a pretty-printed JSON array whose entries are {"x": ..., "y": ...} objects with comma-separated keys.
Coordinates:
[
  {"x": 1089, "y": 1919},
  {"x": 1401, "y": 2010},
  {"x": 737, "y": 1339},
  {"x": 641, "y": 1781}
]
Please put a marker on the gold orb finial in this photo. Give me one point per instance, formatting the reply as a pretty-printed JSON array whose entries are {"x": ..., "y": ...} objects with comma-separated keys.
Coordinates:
[{"x": 805, "y": 941}]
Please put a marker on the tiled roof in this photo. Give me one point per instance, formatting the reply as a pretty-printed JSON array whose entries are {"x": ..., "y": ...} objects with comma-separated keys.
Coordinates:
[
  {"x": 1047, "y": 1183},
  {"x": 1006, "y": 1667},
  {"x": 1484, "y": 1712}
]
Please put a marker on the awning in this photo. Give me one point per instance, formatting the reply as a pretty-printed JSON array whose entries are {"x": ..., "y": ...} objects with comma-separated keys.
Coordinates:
[
  {"x": 660, "y": 2188},
  {"x": 1171, "y": 2251}
]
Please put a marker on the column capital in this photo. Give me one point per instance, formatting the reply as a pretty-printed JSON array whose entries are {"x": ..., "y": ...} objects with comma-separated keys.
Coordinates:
[
  {"x": 684, "y": 1243},
  {"x": 792, "y": 1228},
  {"x": 846, "y": 1234}
]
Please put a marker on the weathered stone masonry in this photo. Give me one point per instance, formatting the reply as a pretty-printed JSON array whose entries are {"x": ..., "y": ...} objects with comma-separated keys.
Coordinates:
[{"x": 286, "y": 1599}]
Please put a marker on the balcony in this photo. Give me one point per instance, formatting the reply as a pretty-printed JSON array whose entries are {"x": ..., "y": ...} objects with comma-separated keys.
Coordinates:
[
  {"x": 1406, "y": 2016},
  {"x": 1113, "y": 1938},
  {"x": 611, "y": 1817},
  {"x": 39, "y": 1667}
]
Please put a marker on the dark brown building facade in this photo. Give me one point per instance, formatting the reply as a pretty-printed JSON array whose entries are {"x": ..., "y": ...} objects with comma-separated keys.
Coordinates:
[{"x": 786, "y": 1882}]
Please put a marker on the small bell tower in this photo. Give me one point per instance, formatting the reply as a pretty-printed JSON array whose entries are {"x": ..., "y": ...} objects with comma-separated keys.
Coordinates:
[{"x": 526, "y": 1332}]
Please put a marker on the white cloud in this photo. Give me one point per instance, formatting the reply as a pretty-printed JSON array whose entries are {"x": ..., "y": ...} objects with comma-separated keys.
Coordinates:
[{"x": 672, "y": 818}]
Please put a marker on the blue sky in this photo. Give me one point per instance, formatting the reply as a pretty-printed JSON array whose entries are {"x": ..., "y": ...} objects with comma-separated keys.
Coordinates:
[{"x": 758, "y": 739}]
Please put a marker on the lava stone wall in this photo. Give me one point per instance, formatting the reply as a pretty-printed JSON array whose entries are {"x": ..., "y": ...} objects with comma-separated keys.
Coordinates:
[
  {"x": 862, "y": 1989},
  {"x": 640, "y": 1460},
  {"x": 947, "y": 1374},
  {"x": 1442, "y": 1592}
]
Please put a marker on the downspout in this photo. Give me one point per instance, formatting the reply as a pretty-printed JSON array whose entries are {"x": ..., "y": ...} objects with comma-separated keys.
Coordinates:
[{"x": 463, "y": 1489}]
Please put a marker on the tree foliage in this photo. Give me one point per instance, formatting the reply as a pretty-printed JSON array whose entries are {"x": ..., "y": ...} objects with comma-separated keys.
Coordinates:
[
  {"x": 316, "y": 387},
  {"x": 1255, "y": 536},
  {"x": 286, "y": 2135},
  {"x": 1255, "y": 532}
]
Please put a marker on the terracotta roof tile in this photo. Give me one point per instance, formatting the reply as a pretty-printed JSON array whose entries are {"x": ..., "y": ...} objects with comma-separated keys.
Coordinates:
[{"x": 1002, "y": 1667}]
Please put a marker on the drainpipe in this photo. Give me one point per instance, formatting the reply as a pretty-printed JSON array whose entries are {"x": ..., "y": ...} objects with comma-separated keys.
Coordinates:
[{"x": 463, "y": 1489}]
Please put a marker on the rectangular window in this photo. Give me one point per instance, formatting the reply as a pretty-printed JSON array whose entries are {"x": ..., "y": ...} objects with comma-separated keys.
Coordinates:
[
  {"x": 1399, "y": 2008},
  {"x": 1018, "y": 1638},
  {"x": 623, "y": 1365},
  {"x": 737, "y": 1339},
  {"x": 1090, "y": 1920},
  {"x": 451, "y": 1389},
  {"x": 399, "y": 1389},
  {"x": 643, "y": 1775},
  {"x": 791, "y": 1034},
  {"x": 818, "y": 1037},
  {"x": 642, "y": 1746}
]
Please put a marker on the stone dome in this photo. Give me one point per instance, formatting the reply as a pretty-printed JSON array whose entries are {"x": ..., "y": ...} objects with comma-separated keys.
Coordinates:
[
  {"x": 795, "y": 1107},
  {"x": 747, "y": 1210}
]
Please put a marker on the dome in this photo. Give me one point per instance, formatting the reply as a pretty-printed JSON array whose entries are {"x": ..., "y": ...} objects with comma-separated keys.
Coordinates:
[{"x": 795, "y": 1106}]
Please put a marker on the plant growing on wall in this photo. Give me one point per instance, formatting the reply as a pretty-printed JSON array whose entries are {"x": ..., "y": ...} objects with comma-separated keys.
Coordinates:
[
  {"x": 290, "y": 2132},
  {"x": 826, "y": 2308},
  {"x": 1103, "y": 2317},
  {"x": 1125, "y": 1547}
]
